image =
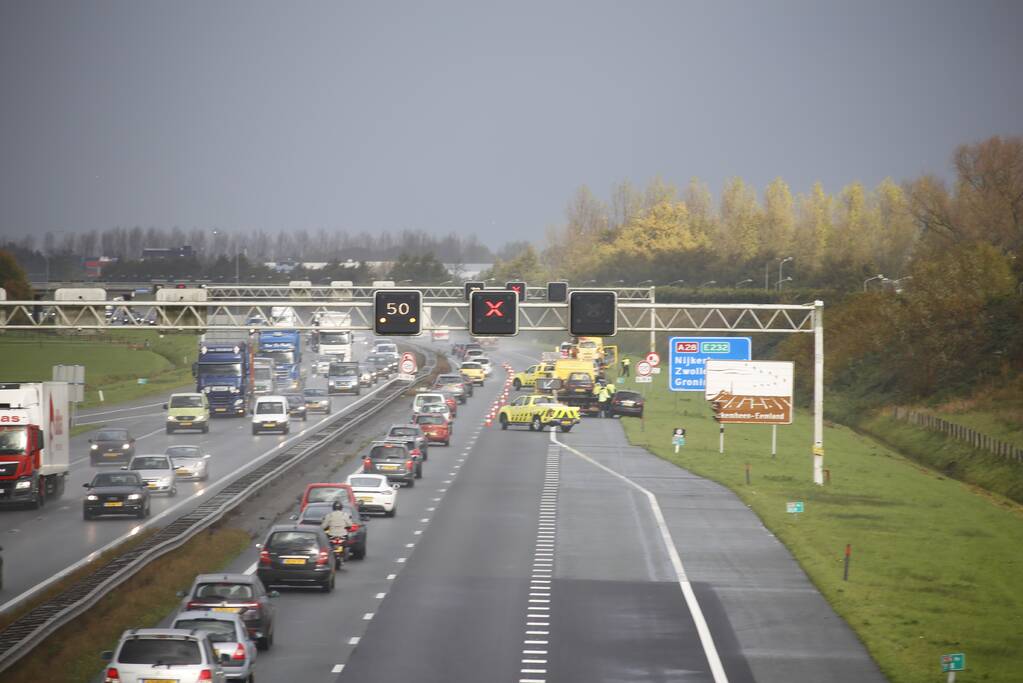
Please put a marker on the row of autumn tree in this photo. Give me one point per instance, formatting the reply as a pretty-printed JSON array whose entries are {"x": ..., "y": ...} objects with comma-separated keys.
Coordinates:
[{"x": 954, "y": 324}]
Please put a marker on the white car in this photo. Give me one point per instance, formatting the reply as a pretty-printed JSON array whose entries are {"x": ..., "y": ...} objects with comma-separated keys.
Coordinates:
[
  {"x": 270, "y": 414},
  {"x": 228, "y": 635},
  {"x": 157, "y": 471},
  {"x": 189, "y": 462},
  {"x": 322, "y": 366},
  {"x": 152, "y": 654},
  {"x": 488, "y": 367},
  {"x": 436, "y": 402},
  {"x": 374, "y": 493}
]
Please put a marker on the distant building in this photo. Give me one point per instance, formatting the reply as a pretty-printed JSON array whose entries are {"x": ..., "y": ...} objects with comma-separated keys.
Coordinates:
[
  {"x": 165, "y": 254},
  {"x": 94, "y": 265}
]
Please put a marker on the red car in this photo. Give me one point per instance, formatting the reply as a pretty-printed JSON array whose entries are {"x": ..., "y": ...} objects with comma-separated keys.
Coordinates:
[
  {"x": 323, "y": 492},
  {"x": 436, "y": 427}
]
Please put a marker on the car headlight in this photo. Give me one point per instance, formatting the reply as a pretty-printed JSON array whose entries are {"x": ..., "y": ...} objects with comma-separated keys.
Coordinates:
[
  {"x": 27, "y": 484},
  {"x": 125, "y": 446},
  {"x": 207, "y": 390},
  {"x": 92, "y": 497},
  {"x": 131, "y": 496},
  {"x": 238, "y": 401},
  {"x": 94, "y": 447},
  {"x": 234, "y": 390},
  {"x": 163, "y": 481}
]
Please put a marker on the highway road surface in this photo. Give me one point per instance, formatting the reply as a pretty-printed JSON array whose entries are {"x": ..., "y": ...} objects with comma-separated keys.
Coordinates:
[{"x": 526, "y": 557}]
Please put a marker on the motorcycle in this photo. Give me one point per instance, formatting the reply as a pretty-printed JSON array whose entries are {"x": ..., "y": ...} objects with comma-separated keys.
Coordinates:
[{"x": 340, "y": 547}]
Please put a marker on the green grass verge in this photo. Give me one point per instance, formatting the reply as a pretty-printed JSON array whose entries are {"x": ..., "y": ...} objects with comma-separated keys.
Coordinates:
[
  {"x": 72, "y": 653},
  {"x": 114, "y": 362},
  {"x": 935, "y": 565}
]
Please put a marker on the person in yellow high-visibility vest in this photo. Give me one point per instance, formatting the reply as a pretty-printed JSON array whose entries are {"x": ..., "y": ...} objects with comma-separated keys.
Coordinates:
[
  {"x": 626, "y": 363},
  {"x": 604, "y": 401}
]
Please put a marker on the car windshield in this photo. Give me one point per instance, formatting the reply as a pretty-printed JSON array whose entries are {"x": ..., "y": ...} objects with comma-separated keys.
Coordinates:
[
  {"x": 588, "y": 345},
  {"x": 449, "y": 379},
  {"x": 314, "y": 393},
  {"x": 335, "y": 337},
  {"x": 282, "y": 357},
  {"x": 387, "y": 453},
  {"x": 154, "y": 462},
  {"x": 219, "y": 630},
  {"x": 223, "y": 590},
  {"x": 162, "y": 651},
  {"x": 628, "y": 396},
  {"x": 116, "y": 479},
  {"x": 471, "y": 366},
  {"x": 13, "y": 440},
  {"x": 264, "y": 372},
  {"x": 293, "y": 541},
  {"x": 426, "y": 399},
  {"x": 343, "y": 369},
  {"x": 579, "y": 377},
  {"x": 320, "y": 494},
  {"x": 365, "y": 482},
  {"x": 186, "y": 402},
  {"x": 182, "y": 451},
  {"x": 315, "y": 513},
  {"x": 386, "y": 348},
  {"x": 113, "y": 435},
  {"x": 404, "y": 431},
  {"x": 295, "y": 400},
  {"x": 431, "y": 420},
  {"x": 269, "y": 408}
]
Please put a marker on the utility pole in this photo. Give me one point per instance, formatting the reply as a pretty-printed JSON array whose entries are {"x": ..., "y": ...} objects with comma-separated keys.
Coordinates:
[{"x": 818, "y": 392}]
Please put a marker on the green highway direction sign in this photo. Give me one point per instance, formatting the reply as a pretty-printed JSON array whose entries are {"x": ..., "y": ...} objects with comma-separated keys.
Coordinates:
[
  {"x": 953, "y": 662},
  {"x": 794, "y": 506}
]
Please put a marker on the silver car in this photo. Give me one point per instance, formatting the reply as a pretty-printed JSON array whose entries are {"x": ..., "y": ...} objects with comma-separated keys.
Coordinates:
[
  {"x": 189, "y": 462},
  {"x": 161, "y": 654},
  {"x": 228, "y": 635},
  {"x": 157, "y": 472}
]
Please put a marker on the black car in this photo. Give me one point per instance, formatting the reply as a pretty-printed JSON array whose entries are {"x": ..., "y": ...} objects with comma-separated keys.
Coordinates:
[
  {"x": 116, "y": 493},
  {"x": 381, "y": 363},
  {"x": 243, "y": 594},
  {"x": 111, "y": 445},
  {"x": 627, "y": 403},
  {"x": 315, "y": 512},
  {"x": 296, "y": 554},
  {"x": 393, "y": 460},
  {"x": 316, "y": 401},
  {"x": 413, "y": 436},
  {"x": 296, "y": 406}
]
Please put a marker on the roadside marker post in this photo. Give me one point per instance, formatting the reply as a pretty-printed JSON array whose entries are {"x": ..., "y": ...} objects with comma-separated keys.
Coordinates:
[
  {"x": 952, "y": 663},
  {"x": 678, "y": 438}
]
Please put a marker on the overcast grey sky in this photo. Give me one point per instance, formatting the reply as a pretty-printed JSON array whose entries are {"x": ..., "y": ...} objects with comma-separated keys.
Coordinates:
[{"x": 474, "y": 116}]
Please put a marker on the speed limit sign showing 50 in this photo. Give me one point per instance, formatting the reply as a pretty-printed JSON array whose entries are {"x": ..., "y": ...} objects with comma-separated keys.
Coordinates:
[{"x": 407, "y": 366}]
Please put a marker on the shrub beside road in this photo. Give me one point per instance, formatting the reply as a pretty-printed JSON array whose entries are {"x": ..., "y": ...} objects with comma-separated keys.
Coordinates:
[{"x": 935, "y": 562}]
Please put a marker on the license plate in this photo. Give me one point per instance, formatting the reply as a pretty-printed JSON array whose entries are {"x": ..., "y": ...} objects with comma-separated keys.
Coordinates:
[
  {"x": 389, "y": 468},
  {"x": 220, "y": 410},
  {"x": 112, "y": 454},
  {"x": 231, "y": 610},
  {"x": 113, "y": 504},
  {"x": 269, "y": 424},
  {"x": 365, "y": 500},
  {"x": 183, "y": 473},
  {"x": 159, "y": 680},
  {"x": 151, "y": 486},
  {"x": 628, "y": 404},
  {"x": 294, "y": 560},
  {"x": 185, "y": 424}
]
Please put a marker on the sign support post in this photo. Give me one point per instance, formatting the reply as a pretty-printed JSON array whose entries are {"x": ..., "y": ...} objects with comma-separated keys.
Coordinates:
[
  {"x": 818, "y": 392},
  {"x": 721, "y": 439},
  {"x": 653, "y": 314},
  {"x": 774, "y": 440}
]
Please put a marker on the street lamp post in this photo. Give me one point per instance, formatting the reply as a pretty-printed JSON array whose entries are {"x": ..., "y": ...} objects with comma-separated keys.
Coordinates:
[
  {"x": 680, "y": 282},
  {"x": 871, "y": 279},
  {"x": 709, "y": 282},
  {"x": 786, "y": 279},
  {"x": 781, "y": 263},
  {"x": 740, "y": 283}
]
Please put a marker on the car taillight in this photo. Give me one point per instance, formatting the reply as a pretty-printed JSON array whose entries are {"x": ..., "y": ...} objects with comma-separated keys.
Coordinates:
[
  {"x": 264, "y": 557},
  {"x": 239, "y": 653},
  {"x": 322, "y": 558},
  {"x": 416, "y": 451},
  {"x": 408, "y": 465},
  {"x": 353, "y": 528},
  {"x": 193, "y": 605},
  {"x": 205, "y": 675},
  {"x": 367, "y": 464},
  {"x": 113, "y": 676}
]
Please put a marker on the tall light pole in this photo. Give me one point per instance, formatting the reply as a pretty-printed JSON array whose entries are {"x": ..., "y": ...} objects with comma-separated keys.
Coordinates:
[
  {"x": 786, "y": 279},
  {"x": 871, "y": 279},
  {"x": 781, "y": 263},
  {"x": 740, "y": 283}
]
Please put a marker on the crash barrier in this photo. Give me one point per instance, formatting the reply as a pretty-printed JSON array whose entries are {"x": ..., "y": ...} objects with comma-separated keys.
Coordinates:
[
  {"x": 978, "y": 440},
  {"x": 32, "y": 628}
]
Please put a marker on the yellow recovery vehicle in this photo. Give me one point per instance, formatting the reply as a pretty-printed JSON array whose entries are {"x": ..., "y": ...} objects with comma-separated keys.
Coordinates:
[{"x": 538, "y": 411}]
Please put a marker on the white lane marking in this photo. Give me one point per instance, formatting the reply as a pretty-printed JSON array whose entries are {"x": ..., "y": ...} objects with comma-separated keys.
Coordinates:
[
  {"x": 706, "y": 639},
  {"x": 367, "y": 616},
  {"x": 417, "y": 532},
  {"x": 400, "y": 560},
  {"x": 252, "y": 568},
  {"x": 114, "y": 419},
  {"x": 354, "y": 640},
  {"x": 410, "y": 545},
  {"x": 381, "y": 596},
  {"x": 534, "y": 652},
  {"x": 392, "y": 577},
  {"x": 338, "y": 668},
  {"x": 122, "y": 410},
  {"x": 424, "y": 520}
]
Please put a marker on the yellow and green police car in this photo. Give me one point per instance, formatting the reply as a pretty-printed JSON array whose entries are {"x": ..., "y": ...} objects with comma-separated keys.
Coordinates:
[{"x": 538, "y": 411}]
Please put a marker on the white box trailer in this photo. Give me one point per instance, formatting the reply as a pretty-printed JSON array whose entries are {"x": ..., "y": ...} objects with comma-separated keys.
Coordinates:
[{"x": 35, "y": 441}]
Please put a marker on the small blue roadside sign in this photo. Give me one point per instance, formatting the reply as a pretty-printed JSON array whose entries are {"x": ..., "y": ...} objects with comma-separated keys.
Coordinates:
[{"x": 688, "y": 356}]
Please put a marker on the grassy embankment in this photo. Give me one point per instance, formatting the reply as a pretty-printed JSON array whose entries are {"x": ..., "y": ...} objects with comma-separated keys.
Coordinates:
[
  {"x": 114, "y": 362},
  {"x": 935, "y": 561},
  {"x": 71, "y": 654}
]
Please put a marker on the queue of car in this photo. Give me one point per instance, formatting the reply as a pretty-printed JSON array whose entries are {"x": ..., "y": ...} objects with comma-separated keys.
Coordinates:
[{"x": 224, "y": 619}]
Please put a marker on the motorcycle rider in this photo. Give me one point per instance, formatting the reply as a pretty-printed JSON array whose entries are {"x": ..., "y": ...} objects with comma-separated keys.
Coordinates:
[{"x": 336, "y": 522}]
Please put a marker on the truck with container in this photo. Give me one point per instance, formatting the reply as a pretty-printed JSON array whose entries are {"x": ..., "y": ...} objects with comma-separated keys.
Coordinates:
[
  {"x": 35, "y": 436},
  {"x": 285, "y": 348},
  {"x": 262, "y": 376},
  {"x": 222, "y": 372}
]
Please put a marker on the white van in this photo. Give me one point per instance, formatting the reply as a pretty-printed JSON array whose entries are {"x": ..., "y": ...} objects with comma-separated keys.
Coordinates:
[{"x": 270, "y": 414}]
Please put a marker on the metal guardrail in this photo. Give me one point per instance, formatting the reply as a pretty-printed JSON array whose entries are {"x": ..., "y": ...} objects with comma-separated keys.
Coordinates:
[{"x": 29, "y": 630}]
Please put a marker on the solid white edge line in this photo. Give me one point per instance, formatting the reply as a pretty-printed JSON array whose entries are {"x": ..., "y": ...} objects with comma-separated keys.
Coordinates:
[{"x": 717, "y": 669}]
